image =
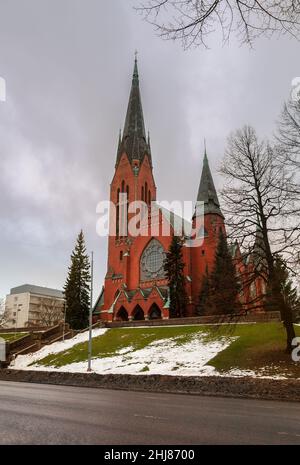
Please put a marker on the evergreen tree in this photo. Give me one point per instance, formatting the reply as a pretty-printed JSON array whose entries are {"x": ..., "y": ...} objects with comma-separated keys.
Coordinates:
[
  {"x": 174, "y": 267},
  {"x": 77, "y": 287},
  {"x": 204, "y": 306},
  {"x": 224, "y": 286},
  {"x": 287, "y": 288}
]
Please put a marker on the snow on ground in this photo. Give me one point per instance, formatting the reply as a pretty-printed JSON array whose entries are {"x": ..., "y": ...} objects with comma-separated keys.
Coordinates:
[
  {"x": 23, "y": 361},
  {"x": 237, "y": 373},
  {"x": 167, "y": 356}
]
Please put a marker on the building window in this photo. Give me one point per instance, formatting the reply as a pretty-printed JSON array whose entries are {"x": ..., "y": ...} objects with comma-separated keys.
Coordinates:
[
  {"x": 203, "y": 252},
  {"x": 152, "y": 261},
  {"x": 117, "y": 220},
  {"x": 121, "y": 255}
]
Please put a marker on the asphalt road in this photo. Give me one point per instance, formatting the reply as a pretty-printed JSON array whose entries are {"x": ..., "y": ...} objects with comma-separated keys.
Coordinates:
[{"x": 44, "y": 414}]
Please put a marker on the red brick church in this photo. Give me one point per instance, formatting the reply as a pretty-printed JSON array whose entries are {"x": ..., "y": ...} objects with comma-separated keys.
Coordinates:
[{"x": 135, "y": 286}]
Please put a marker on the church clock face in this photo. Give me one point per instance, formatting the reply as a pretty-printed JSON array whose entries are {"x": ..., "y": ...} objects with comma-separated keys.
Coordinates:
[{"x": 152, "y": 261}]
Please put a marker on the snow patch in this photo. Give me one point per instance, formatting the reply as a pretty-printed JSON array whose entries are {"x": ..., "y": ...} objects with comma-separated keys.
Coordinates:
[
  {"x": 23, "y": 361},
  {"x": 168, "y": 357}
]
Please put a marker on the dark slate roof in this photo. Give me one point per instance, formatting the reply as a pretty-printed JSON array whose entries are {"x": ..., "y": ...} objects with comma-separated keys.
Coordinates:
[
  {"x": 134, "y": 141},
  {"x": 259, "y": 245},
  {"x": 31, "y": 289},
  {"x": 164, "y": 290},
  {"x": 207, "y": 192},
  {"x": 99, "y": 302},
  {"x": 258, "y": 251}
]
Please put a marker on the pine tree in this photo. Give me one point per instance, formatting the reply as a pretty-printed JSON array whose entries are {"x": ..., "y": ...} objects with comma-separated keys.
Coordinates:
[
  {"x": 287, "y": 288},
  {"x": 204, "y": 306},
  {"x": 224, "y": 286},
  {"x": 174, "y": 267},
  {"x": 77, "y": 286}
]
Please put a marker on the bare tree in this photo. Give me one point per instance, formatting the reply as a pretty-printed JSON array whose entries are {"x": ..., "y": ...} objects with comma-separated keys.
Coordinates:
[
  {"x": 4, "y": 314},
  {"x": 2, "y": 305},
  {"x": 51, "y": 312},
  {"x": 191, "y": 21},
  {"x": 262, "y": 204},
  {"x": 288, "y": 132}
]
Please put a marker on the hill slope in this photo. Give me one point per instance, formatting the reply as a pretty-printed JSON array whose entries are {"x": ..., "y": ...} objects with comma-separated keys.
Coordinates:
[{"x": 243, "y": 349}]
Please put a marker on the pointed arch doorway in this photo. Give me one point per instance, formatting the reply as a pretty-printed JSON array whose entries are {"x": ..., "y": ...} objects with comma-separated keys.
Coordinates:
[
  {"x": 138, "y": 313},
  {"x": 154, "y": 312},
  {"x": 122, "y": 314}
]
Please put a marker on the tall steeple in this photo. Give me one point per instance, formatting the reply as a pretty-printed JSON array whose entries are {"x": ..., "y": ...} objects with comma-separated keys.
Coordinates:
[
  {"x": 259, "y": 244},
  {"x": 207, "y": 192},
  {"x": 134, "y": 141}
]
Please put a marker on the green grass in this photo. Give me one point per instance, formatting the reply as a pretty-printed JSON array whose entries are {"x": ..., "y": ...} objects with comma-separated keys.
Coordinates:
[
  {"x": 10, "y": 337},
  {"x": 118, "y": 339},
  {"x": 146, "y": 368},
  {"x": 259, "y": 347}
]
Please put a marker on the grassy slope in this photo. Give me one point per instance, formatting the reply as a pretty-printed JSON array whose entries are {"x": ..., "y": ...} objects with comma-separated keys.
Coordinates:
[
  {"x": 117, "y": 339},
  {"x": 257, "y": 346},
  {"x": 9, "y": 337}
]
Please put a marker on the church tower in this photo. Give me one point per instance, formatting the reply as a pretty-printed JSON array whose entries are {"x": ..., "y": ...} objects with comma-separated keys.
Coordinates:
[
  {"x": 132, "y": 278},
  {"x": 136, "y": 287},
  {"x": 211, "y": 223}
]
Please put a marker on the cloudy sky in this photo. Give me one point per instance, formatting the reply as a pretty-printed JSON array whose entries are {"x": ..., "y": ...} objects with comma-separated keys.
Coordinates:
[{"x": 68, "y": 66}]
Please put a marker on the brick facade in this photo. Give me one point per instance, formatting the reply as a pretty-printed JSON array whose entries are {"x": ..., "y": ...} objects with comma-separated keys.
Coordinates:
[{"x": 128, "y": 294}]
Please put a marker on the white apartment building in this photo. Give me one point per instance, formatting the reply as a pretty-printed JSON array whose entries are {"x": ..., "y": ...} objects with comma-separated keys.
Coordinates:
[{"x": 30, "y": 305}]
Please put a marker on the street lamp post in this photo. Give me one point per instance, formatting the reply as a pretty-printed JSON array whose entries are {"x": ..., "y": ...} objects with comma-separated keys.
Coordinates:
[{"x": 91, "y": 315}]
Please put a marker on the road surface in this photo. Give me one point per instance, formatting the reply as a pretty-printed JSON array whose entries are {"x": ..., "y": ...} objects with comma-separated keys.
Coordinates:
[{"x": 44, "y": 414}]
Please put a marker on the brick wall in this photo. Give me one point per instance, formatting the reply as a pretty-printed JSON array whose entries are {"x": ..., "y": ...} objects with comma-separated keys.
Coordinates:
[{"x": 200, "y": 320}]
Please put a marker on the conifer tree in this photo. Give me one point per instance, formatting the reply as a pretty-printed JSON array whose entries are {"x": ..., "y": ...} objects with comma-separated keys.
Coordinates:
[
  {"x": 224, "y": 286},
  {"x": 77, "y": 286},
  {"x": 204, "y": 306},
  {"x": 174, "y": 267},
  {"x": 287, "y": 288}
]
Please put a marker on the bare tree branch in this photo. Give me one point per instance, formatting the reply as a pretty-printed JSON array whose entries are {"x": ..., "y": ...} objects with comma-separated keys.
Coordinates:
[
  {"x": 261, "y": 204},
  {"x": 191, "y": 21},
  {"x": 51, "y": 312}
]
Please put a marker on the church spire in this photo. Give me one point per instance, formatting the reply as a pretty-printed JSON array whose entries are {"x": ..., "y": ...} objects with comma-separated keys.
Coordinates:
[
  {"x": 134, "y": 141},
  {"x": 259, "y": 244},
  {"x": 207, "y": 192}
]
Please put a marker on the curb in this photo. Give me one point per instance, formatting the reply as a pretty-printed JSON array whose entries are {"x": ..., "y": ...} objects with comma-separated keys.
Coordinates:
[{"x": 218, "y": 386}]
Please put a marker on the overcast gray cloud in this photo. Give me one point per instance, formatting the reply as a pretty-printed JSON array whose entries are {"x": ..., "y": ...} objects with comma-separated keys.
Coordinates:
[{"x": 68, "y": 66}]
